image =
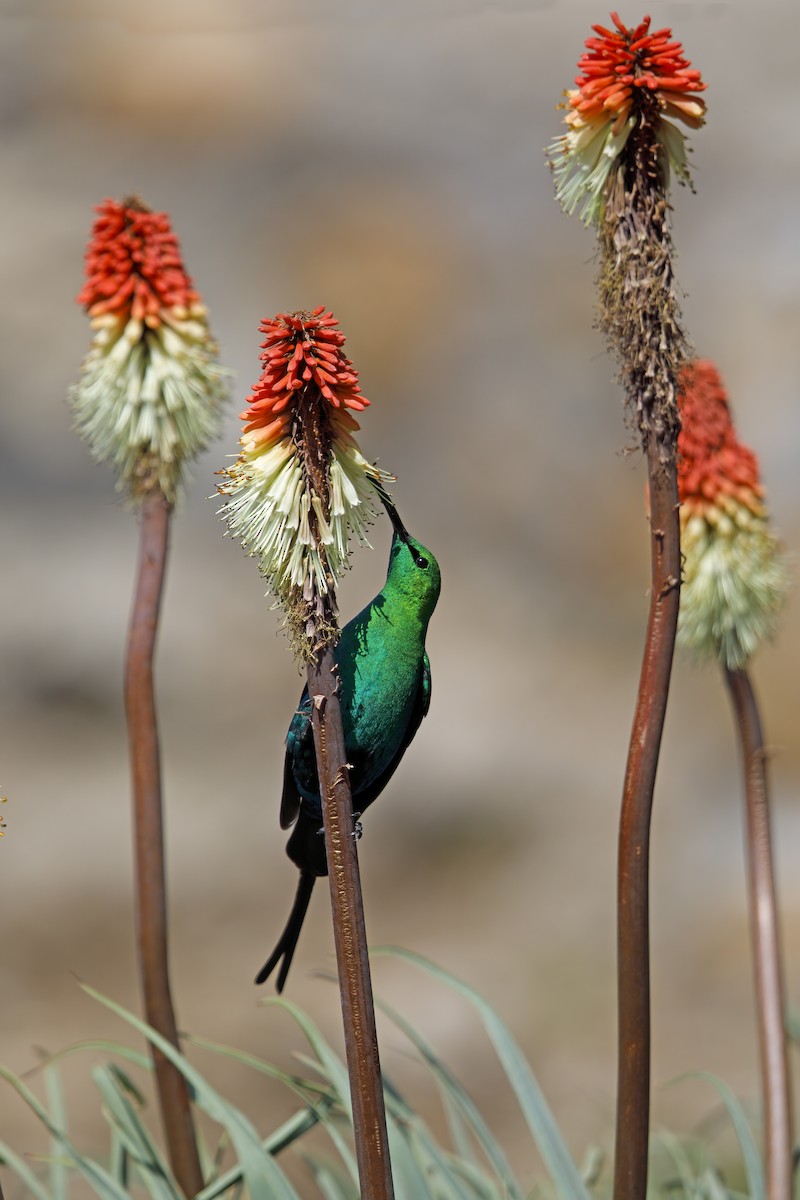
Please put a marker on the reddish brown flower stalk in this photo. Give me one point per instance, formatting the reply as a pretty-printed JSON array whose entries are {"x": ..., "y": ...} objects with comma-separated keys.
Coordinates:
[
  {"x": 298, "y": 490},
  {"x": 614, "y": 162},
  {"x": 148, "y": 400},
  {"x": 735, "y": 584},
  {"x": 151, "y": 887}
]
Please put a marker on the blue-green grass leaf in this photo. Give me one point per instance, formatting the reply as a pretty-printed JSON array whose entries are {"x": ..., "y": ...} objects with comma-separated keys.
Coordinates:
[
  {"x": 23, "y": 1172},
  {"x": 59, "y": 1174},
  {"x": 753, "y": 1165},
  {"x": 332, "y": 1069},
  {"x": 433, "y": 1165},
  {"x": 262, "y": 1175},
  {"x": 100, "y": 1180},
  {"x": 139, "y": 1145},
  {"x": 282, "y": 1137},
  {"x": 462, "y": 1104},
  {"x": 330, "y": 1184},
  {"x": 534, "y": 1107}
]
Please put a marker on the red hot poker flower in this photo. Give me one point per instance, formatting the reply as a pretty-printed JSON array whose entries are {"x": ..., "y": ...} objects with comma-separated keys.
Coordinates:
[
  {"x": 302, "y": 349},
  {"x": 134, "y": 264},
  {"x": 301, "y": 486},
  {"x": 623, "y": 60},
  {"x": 713, "y": 463},
  {"x": 626, "y": 75},
  {"x": 150, "y": 393},
  {"x": 734, "y": 575}
]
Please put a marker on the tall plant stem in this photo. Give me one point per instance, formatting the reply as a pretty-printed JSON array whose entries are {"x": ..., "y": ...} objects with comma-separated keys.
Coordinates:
[
  {"x": 633, "y": 953},
  {"x": 151, "y": 901},
  {"x": 765, "y": 934},
  {"x": 355, "y": 986}
]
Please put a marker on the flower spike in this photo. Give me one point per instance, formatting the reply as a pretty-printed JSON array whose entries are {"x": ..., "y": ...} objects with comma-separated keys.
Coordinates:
[
  {"x": 613, "y": 166},
  {"x": 627, "y": 75},
  {"x": 735, "y": 575},
  {"x": 300, "y": 486},
  {"x": 151, "y": 390}
]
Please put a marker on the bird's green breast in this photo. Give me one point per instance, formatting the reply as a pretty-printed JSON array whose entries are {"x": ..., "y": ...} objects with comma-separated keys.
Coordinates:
[
  {"x": 384, "y": 681},
  {"x": 380, "y": 663}
]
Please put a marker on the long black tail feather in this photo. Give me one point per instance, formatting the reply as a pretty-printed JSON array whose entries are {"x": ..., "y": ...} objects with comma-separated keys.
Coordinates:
[{"x": 288, "y": 940}]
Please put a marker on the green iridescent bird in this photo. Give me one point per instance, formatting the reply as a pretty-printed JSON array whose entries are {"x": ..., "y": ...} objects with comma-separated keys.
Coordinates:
[{"x": 385, "y": 691}]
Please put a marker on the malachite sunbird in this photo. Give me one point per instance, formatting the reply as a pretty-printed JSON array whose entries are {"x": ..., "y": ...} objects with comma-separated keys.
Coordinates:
[{"x": 385, "y": 691}]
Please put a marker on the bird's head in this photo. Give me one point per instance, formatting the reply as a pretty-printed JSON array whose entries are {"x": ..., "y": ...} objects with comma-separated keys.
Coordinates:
[{"x": 413, "y": 571}]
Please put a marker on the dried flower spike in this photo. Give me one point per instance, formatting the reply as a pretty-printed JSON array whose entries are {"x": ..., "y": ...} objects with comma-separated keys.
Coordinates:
[
  {"x": 735, "y": 576},
  {"x": 300, "y": 486},
  {"x": 150, "y": 392},
  {"x": 626, "y": 75}
]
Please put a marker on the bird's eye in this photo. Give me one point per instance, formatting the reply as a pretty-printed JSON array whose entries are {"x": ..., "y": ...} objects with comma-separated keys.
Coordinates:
[{"x": 421, "y": 562}]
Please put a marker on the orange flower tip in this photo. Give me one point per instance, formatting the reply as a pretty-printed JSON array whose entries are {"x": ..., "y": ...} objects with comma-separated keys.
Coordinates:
[
  {"x": 735, "y": 576},
  {"x": 151, "y": 390},
  {"x": 624, "y": 77},
  {"x": 301, "y": 538}
]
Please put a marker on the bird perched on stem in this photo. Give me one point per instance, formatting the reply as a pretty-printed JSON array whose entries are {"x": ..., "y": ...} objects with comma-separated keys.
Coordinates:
[{"x": 385, "y": 691}]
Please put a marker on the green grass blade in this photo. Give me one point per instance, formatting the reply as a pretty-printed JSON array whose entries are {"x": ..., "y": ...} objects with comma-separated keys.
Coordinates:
[
  {"x": 332, "y": 1067},
  {"x": 141, "y": 1149},
  {"x": 59, "y": 1175},
  {"x": 540, "y": 1120},
  {"x": 211, "y": 1164},
  {"x": 409, "y": 1179},
  {"x": 482, "y": 1187},
  {"x": 712, "y": 1185},
  {"x": 118, "y": 1160},
  {"x": 104, "y": 1046},
  {"x": 262, "y": 1176},
  {"x": 432, "y": 1169},
  {"x": 459, "y": 1130},
  {"x": 103, "y": 1183},
  {"x": 23, "y": 1172},
  {"x": 298, "y": 1084},
  {"x": 127, "y": 1086},
  {"x": 328, "y": 1182},
  {"x": 592, "y": 1166},
  {"x": 753, "y": 1165},
  {"x": 329, "y": 1099},
  {"x": 334, "y": 1071},
  {"x": 679, "y": 1159},
  {"x": 443, "y": 1183},
  {"x": 283, "y": 1136},
  {"x": 462, "y": 1104}
]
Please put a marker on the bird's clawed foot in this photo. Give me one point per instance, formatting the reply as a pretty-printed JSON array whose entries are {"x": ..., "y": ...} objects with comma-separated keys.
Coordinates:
[{"x": 357, "y": 827}]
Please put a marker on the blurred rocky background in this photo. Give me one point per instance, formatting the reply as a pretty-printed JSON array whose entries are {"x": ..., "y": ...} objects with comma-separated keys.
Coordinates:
[{"x": 386, "y": 160}]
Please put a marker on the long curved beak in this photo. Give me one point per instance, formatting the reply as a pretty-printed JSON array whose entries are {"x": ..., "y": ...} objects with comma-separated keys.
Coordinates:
[{"x": 394, "y": 515}]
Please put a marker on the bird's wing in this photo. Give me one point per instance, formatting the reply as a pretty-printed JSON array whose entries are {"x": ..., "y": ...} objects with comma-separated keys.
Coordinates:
[
  {"x": 299, "y": 745},
  {"x": 364, "y": 797},
  {"x": 425, "y": 698}
]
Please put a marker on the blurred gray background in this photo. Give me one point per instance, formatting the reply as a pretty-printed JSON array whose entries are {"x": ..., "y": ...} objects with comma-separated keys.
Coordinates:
[{"x": 386, "y": 160}]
